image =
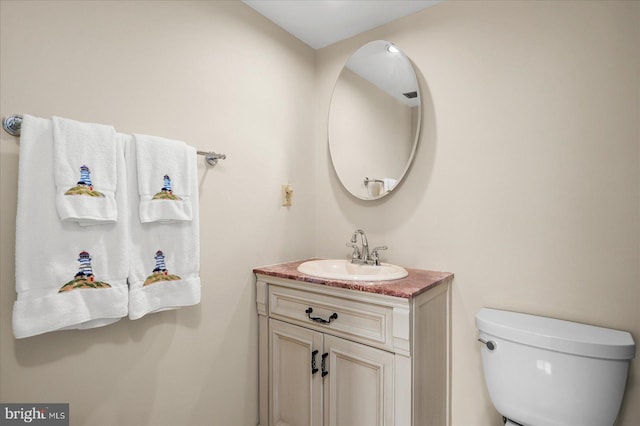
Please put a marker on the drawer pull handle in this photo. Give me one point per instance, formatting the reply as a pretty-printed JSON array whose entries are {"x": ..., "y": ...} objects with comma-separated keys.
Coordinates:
[
  {"x": 323, "y": 364},
  {"x": 320, "y": 320},
  {"x": 314, "y": 369}
]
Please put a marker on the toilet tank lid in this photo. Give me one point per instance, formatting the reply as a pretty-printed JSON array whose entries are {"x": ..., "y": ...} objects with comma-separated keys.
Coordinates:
[{"x": 557, "y": 335}]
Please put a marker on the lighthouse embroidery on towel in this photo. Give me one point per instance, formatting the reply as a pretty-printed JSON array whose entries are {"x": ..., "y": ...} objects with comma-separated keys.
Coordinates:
[
  {"x": 160, "y": 272},
  {"x": 166, "y": 193},
  {"x": 84, "y": 278},
  {"x": 84, "y": 185}
]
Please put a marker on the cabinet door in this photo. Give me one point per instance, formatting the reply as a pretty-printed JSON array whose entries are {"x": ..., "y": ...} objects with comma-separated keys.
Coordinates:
[
  {"x": 295, "y": 397},
  {"x": 358, "y": 391}
]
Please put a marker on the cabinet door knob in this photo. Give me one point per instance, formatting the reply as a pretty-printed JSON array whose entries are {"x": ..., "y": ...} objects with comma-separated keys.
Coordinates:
[
  {"x": 314, "y": 369},
  {"x": 323, "y": 364},
  {"x": 333, "y": 316}
]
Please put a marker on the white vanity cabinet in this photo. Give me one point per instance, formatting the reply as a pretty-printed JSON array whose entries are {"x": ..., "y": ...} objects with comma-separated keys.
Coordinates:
[
  {"x": 354, "y": 380},
  {"x": 335, "y": 353}
]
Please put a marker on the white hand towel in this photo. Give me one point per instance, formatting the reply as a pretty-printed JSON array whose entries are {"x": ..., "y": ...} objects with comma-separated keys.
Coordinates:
[
  {"x": 164, "y": 170},
  {"x": 85, "y": 171},
  {"x": 374, "y": 188},
  {"x": 165, "y": 259},
  {"x": 67, "y": 276},
  {"x": 388, "y": 184}
]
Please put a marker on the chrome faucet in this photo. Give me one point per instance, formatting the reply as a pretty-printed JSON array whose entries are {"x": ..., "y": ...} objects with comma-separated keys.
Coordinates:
[
  {"x": 362, "y": 255},
  {"x": 359, "y": 256}
]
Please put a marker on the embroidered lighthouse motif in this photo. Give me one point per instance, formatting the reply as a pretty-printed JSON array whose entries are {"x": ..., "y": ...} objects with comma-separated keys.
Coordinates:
[
  {"x": 84, "y": 278},
  {"x": 85, "y": 269},
  {"x": 160, "y": 272},
  {"x": 85, "y": 177},
  {"x": 160, "y": 266},
  {"x": 84, "y": 185},
  {"x": 166, "y": 184},
  {"x": 166, "y": 193}
]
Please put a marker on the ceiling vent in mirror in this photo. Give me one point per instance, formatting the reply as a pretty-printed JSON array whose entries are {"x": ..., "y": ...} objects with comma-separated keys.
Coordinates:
[{"x": 411, "y": 95}]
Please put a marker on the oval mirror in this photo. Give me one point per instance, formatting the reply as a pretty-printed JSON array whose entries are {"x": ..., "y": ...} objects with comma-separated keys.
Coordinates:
[{"x": 374, "y": 120}]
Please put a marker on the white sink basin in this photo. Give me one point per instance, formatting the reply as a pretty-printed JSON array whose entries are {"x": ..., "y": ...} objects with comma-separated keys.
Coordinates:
[{"x": 340, "y": 269}]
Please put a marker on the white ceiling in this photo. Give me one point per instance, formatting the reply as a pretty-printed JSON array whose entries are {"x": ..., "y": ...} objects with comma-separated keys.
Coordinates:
[
  {"x": 389, "y": 71},
  {"x": 320, "y": 23}
]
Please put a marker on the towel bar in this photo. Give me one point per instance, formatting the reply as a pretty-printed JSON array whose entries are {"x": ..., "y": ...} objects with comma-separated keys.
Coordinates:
[
  {"x": 367, "y": 180},
  {"x": 13, "y": 123}
]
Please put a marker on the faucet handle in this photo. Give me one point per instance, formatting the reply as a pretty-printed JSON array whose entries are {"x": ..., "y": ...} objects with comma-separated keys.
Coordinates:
[
  {"x": 356, "y": 250},
  {"x": 375, "y": 256}
]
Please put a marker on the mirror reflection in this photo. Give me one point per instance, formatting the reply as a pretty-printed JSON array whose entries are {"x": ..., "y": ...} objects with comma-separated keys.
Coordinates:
[{"x": 374, "y": 120}]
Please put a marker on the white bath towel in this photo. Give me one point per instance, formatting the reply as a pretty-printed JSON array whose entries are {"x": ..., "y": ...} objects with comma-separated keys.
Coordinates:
[
  {"x": 85, "y": 171},
  {"x": 164, "y": 171},
  {"x": 165, "y": 256},
  {"x": 67, "y": 276}
]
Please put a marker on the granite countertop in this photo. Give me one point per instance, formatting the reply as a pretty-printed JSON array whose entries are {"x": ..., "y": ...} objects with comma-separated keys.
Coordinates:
[{"x": 418, "y": 280}]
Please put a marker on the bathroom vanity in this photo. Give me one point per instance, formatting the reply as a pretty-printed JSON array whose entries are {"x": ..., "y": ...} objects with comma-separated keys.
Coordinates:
[{"x": 348, "y": 353}]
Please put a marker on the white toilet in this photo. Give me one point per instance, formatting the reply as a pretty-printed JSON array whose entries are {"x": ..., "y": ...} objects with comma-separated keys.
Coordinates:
[{"x": 547, "y": 372}]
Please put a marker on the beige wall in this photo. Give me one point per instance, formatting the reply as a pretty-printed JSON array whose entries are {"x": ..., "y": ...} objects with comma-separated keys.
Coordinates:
[
  {"x": 221, "y": 77},
  {"x": 526, "y": 182}
]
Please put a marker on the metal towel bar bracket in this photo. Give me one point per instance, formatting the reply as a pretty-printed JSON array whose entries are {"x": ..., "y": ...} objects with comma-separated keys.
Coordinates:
[
  {"x": 212, "y": 157},
  {"x": 13, "y": 123}
]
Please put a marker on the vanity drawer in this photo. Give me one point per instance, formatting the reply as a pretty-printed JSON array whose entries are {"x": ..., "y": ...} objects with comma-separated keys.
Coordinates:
[{"x": 363, "y": 322}]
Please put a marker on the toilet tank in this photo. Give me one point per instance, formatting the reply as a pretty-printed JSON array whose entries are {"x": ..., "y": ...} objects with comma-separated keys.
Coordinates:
[{"x": 549, "y": 372}]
